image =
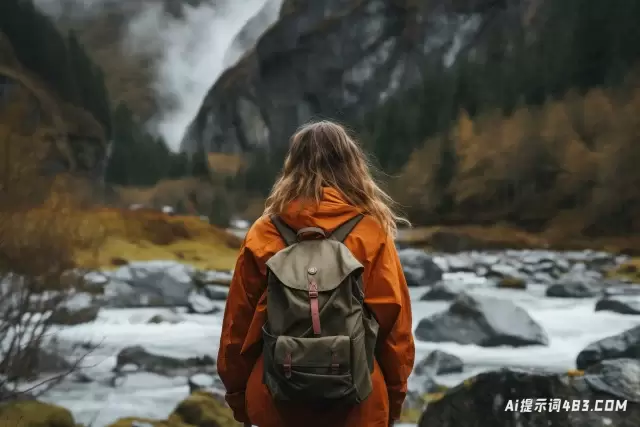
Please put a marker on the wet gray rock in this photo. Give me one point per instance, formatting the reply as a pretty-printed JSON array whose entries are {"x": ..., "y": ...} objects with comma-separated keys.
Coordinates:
[
  {"x": 216, "y": 292},
  {"x": 617, "y": 377},
  {"x": 77, "y": 309},
  {"x": 163, "y": 281},
  {"x": 622, "y": 304},
  {"x": 571, "y": 290},
  {"x": 483, "y": 321},
  {"x": 162, "y": 284},
  {"x": 200, "y": 303},
  {"x": 444, "y": 291},
  {"x": 624, "y": 345},
  {"x": 419, "y": 268},
  {"x": 159, "y": 364},
  {"x": 484, "y": 399},
  {"x": 439, "y": 363}
]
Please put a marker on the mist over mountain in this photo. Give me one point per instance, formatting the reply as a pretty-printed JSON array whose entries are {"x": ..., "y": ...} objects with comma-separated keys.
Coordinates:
[{"x": 162, "y": 56}]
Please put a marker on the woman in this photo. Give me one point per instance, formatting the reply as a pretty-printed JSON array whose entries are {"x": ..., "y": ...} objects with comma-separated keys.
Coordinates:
[{"x": 325, "y": 182}]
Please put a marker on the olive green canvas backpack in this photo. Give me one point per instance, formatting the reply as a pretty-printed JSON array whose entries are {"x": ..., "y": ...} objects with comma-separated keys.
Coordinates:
[{"x": 319, "y": 338}]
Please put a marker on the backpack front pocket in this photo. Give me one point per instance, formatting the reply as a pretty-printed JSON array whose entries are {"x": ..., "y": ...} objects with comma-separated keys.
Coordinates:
[{"x": 313, "y": 370}]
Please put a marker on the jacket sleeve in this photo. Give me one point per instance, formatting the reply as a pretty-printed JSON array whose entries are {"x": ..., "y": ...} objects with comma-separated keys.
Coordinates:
[
  {"x": 387, "y": 295},
  {"x": 234, "y": 365}
]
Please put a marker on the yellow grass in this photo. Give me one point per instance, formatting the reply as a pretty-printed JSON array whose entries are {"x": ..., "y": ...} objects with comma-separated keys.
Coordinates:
[
  {"x": 148, "y": 235},
  {"x": 225, "y": 164},
  {"x": 198, "y": 254}
]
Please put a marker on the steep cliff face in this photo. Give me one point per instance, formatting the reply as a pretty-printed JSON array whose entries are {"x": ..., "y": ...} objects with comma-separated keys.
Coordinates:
[{"x": 335, "y": 59}]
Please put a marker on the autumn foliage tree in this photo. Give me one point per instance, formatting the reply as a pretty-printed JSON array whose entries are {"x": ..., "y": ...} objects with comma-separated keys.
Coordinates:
[{"x": 568, "y": 163}]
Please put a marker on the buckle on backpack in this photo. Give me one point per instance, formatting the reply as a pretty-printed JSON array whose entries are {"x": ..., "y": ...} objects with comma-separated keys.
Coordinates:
[
  {"x": 313, "y": 289},
  {"x": 287, "y": 365}
]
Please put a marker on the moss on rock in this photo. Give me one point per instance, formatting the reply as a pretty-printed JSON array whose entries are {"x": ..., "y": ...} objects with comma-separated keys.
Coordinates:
[
  {"x": 508, "y": 282},
  {"x": 204, "y": 409},
  {"x": 32, "y": 413},
  {"x": 200, "y": 409},
  {"x": 173, "y": 421}
]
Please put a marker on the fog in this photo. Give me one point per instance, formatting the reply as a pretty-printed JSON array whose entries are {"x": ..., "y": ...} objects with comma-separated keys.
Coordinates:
[{"x": 193, "y": 49}]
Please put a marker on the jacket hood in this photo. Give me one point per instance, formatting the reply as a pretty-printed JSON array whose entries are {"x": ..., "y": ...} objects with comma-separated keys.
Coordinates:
[{"x": 332, "y": 211}]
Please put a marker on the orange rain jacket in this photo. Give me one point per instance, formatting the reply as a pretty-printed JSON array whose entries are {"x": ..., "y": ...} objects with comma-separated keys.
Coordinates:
[{"x": 240, "y": 364}]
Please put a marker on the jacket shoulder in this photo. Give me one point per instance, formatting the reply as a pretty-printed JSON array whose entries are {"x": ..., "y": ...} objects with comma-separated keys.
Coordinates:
[{"x": 262, "y": 237}]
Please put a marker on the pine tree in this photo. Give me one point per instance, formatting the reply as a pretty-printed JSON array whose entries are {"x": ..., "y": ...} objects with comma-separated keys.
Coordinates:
[{"x": 199, "y": 164}]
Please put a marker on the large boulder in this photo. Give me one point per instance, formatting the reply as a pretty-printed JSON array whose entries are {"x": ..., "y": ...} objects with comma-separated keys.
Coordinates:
[
  {"x": 483, "y": 321},
  {"x": 624, "y": 345},
  {"x": 622, "y": 304},
  {"x": 419, "y": 268},
  {"x": 161, "y": 284},
  {"x": 543, "y": 399}
]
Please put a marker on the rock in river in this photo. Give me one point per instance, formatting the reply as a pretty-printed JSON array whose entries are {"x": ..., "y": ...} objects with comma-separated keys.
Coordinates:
[
  {"x": 620, "y": 304},
  {"x": 419, "y": 268},
  {"x": 624, "y": 345},
  {"x": 444, "y": 291},
  {"x": 571, "y": 289},
  {"x": 160, "y": 364},
  {"x": 439, "y": 363},
  {"x": 484, "y": 321},
  {"x": 544, "y": 399}
]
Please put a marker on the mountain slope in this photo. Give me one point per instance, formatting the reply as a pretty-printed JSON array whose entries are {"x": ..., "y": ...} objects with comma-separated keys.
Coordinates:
[{"x": 330, "y": 58}]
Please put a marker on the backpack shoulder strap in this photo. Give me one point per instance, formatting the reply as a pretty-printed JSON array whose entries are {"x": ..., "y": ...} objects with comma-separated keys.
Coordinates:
[
  {"x": 287, "y": 233},
  {"x": 343, "y": 230}
]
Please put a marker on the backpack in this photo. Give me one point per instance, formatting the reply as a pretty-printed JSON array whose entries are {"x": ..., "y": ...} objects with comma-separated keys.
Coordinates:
[{"x": 319, "y": 338}]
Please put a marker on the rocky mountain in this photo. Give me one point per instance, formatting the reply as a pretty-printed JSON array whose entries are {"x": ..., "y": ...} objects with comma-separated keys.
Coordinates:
[
  {"x": 339, "y": 59},
  {"x": 51, "y": 94}
]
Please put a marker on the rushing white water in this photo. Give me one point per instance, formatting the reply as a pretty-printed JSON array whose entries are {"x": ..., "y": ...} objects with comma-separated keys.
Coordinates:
[{"x": 571, "y": 325}]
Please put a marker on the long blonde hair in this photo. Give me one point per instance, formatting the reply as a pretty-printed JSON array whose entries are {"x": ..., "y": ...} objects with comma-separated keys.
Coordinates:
[{"x": 322, "y": 154}]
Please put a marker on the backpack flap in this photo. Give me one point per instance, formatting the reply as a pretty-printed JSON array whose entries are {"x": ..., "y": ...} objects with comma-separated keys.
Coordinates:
[{"x": 326, "y": 262}]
